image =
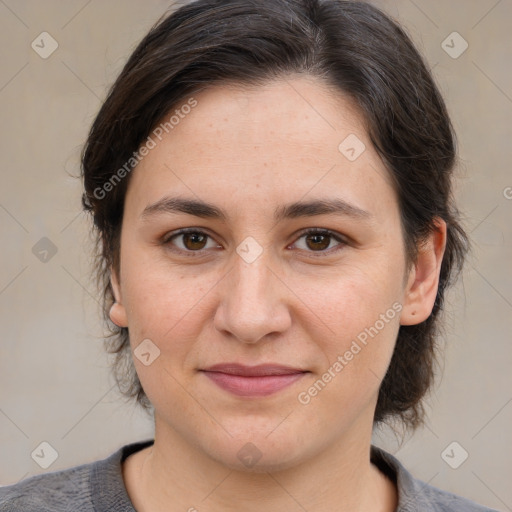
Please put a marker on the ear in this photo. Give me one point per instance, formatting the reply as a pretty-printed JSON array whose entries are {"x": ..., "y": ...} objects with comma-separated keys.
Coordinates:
[
  {"x": 117, "y": 312},
  {"x": 423, "y": 282}
]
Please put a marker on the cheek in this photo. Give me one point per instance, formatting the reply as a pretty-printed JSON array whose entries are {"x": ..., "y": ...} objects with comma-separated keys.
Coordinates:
[
  {"x": 357, "y": 355},
  {"x": 353, "y": 299},
  {"x": 362, "y": 313},
  {"x": 159, "y": 297}
]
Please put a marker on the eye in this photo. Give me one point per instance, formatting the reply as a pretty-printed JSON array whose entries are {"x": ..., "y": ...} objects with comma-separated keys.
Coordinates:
[
  {"x": 189, "y": 240},
  {"x": 320, "y": 241},
  {"x": 193, "y": 240}
]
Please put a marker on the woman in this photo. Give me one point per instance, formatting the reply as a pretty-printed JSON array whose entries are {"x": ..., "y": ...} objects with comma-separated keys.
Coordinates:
[{"x": 270, "y": 184}]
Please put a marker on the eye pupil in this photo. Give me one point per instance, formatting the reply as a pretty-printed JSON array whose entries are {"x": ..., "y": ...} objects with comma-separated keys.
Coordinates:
[
  {"x": 323, "y": 240},
  {"x": 194, "y": 238}
]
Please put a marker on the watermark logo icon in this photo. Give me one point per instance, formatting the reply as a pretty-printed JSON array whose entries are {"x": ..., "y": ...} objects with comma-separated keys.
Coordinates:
[
  {"x": 454, "y": 455},
  {"x": 44, "y": 250},
  {"x": 454, "y": 45},
  {"x": 352, "y": 147},
  {"x": 249, "y": 455},
  {"x": 44, "y": 45},
  {"x": 146, "y": 352},
  {"x": 44, "y": 455},
  {"x": 249, "y": 250}
]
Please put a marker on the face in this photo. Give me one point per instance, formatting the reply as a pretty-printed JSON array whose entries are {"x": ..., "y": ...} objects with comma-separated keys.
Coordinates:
[{"x": 269, "y": 322}]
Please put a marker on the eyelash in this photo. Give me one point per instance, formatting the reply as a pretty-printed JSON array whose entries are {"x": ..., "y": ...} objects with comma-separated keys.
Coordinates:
[{"x": 310, "y": 231}]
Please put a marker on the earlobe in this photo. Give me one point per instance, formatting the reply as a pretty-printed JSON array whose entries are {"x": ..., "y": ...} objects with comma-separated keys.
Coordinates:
[
  {"x": 117, "y": 311},
  {"x": 117, "y": 315},
  {"x": 421, "y": 291}
]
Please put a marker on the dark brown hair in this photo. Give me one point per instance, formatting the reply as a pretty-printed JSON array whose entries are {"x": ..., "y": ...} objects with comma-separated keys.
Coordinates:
[{"x": 355, "y": 49}]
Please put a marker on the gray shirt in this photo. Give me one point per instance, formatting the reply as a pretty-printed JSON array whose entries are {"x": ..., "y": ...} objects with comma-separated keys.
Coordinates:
[{"x": 99, "y": 487}]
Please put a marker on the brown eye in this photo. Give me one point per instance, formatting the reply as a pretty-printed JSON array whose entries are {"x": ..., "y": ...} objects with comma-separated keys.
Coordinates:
[
  {"x": 189, "y": 241},
  {"x": 194, "y": 241},
  {"x": 318, "y": 242}
]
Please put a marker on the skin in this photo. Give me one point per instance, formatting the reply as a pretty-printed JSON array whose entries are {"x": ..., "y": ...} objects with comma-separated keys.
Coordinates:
[{"x": 249, "y": 151}]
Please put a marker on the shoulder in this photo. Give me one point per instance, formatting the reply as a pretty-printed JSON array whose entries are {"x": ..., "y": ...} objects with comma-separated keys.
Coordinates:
[
  {"x": 54, "y": 491},
  {"x": 417, "y": 496},
  {"x": 444, "y": 501},
  {"x": 88, "y": 487}
]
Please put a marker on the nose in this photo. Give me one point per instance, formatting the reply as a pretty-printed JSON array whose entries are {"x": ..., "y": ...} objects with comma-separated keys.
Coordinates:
[{"x": 253, "y": 303}]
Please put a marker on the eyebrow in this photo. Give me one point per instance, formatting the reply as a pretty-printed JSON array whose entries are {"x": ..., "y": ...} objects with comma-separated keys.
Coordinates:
[{"x": 294, "y": 210}]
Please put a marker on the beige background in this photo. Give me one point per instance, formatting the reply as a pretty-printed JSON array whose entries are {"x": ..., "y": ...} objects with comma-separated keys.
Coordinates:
[{"x": 54, "y": 380}]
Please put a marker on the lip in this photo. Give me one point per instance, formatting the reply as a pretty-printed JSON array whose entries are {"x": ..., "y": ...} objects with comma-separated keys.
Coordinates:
[{"x": 253, "y": 381}]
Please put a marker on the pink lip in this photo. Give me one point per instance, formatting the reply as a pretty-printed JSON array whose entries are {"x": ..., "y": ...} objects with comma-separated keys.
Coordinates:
[{"x": 253, "y": 381}]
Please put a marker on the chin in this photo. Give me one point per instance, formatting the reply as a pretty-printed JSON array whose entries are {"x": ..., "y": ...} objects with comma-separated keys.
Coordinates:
[
  {"x": 261, "y": 453},
  {"x": 268, "y": 463}
]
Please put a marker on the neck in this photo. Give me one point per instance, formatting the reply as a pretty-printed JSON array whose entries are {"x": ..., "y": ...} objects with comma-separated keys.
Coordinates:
[{"x": 173, "y": 475}]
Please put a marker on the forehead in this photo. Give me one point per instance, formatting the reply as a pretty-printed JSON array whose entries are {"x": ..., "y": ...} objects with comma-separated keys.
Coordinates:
[
  {"x": 261, "y": 144},
  {"x": 297, "y": 109}
]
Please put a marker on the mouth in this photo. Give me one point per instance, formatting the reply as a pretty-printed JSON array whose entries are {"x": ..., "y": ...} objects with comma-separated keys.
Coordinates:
[{"x": 253, "y": 381}]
